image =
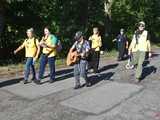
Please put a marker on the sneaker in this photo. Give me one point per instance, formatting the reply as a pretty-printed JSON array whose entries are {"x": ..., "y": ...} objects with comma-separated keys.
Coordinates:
[
  {"x": 88, "y": 84},
  {"x": 90, "y": 70},
  {"x": 38, "y": 82},
  {"x": 51, "y": 81},
  {"x": 77, "y": 87},
  {"x": 97, "y": 74},
  {"x": 25, "y": 81},
  {"x": 138, "y": 80}
]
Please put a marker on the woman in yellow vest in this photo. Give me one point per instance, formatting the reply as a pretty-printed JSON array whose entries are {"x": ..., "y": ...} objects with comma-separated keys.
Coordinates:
[
  {"x": 49, "y": 45},
  {"x": 140, "y": 44},
  {"x": 96, "y": 43},
  {"x": 32, "y": 49}
]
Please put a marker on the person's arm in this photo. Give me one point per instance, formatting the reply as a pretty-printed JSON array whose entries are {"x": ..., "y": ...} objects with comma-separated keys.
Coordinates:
[
  {"x": 127, "y": 44},
  {"x": 73, "y": 47},
  {"x": 100, "y": 42},
  {"x": 38, "y": 49},
  {"x": 149, "y": 45},
  {"x": 149, "y": 48},
  {"x": 131, "y": 45},
  {"x": 90, "y": 38},
  {"x": 42, "y": 42},
  {"x": 115, "y": 39},
  {"x": 19, "y": 48}
]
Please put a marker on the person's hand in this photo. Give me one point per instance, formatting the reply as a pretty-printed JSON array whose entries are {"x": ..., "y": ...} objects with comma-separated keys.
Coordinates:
[
  {"x": 129, "y": 52},
  {"x": 15, "y": 52},
  {"x": 113, "y": 40},
  {"x": 82, "y": 54},
  {"x": 42, "y": 44},
  {"x": 126, "y": 46},
  {"x": 34, "y": 60},
  {"x": 150, "y": 54}
]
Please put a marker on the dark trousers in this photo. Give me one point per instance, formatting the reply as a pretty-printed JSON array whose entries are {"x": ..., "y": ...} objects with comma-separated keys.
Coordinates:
[
  {"x": 121, "y": 50},
  {"x": 94, "y": 61},
  {"x": 43, "y": 61}
]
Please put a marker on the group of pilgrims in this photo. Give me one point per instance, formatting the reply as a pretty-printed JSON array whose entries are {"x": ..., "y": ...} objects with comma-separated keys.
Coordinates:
[{"x": 84, "y": 54}]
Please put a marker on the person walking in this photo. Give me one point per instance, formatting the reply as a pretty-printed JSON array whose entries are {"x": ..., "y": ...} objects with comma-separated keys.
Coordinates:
[
  {"x": 96, "y": 44},
  {"x": 122, "y": 44},
  {"x": 48, "y": 43},
  {"x": 140, "y": 44},
  {"x": 32, "y": 49},
  {"x": 82, "y": 47}
]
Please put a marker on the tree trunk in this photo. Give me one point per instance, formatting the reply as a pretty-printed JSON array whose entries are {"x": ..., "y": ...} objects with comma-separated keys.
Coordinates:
[
  {"x": 107, "y": 10},
  {"x": 2, "y": 19}
]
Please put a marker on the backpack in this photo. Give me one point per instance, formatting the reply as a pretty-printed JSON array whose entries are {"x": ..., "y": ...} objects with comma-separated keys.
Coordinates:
[
  {"x": 59, "y": 46},
  {"x": 57, "y": 42}
]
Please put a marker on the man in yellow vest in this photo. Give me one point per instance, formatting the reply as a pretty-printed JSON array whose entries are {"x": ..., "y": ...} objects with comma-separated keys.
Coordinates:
[{"x": 140, "y": 44}]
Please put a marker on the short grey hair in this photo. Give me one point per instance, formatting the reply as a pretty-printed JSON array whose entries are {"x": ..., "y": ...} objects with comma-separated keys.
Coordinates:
[{"x": 30, "y": 30}]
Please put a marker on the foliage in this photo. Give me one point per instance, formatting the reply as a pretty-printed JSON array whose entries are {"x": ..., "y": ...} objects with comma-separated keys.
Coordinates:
[{"x": 65, "y": 17}]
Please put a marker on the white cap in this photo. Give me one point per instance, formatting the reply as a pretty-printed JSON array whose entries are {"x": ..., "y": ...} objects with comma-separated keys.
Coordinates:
[
  {"x": 142, "y": 23},
  {"x": 30, "y": 30}
]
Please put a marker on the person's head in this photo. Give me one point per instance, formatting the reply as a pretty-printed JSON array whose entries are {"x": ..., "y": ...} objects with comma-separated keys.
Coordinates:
[
  {"x": 95, "y": 30},
  {"x": 30, "y": 32},
  {"x": 78, "y": 36},
  {"x": 46, "y": 31},
  {"x": 121, "y": 31},
  {"x": 141, "y": 25}
]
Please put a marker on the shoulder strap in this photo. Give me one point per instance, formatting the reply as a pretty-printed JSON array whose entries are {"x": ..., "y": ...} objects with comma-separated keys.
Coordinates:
[{"x": 35, "y": 42}]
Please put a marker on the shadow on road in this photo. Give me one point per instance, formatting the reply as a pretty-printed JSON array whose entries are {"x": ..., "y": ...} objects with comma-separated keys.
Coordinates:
[
  {"x": 105, "y": 76},
  {"x": 147, "y": 71},
  {"x": 107, "y": 67},
  {"x": 10, "y": 82}
]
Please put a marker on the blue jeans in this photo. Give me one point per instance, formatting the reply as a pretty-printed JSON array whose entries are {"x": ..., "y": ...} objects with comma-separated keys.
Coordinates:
[
  {"x": 29, "y": 65},
  {"x": 80, "y": 69},
  {"x": 43, "y": 61}
]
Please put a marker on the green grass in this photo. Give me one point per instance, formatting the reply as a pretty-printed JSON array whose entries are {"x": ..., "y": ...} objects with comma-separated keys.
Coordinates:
[{"x": 112, "y": 53}]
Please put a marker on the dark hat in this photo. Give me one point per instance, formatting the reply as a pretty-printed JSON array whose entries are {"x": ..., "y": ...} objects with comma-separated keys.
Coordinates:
[{"x": 78, "y": 35}]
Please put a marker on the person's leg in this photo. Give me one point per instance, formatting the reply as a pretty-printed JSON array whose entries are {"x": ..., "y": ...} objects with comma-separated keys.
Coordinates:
[
  {"x": 134, "y": 58},
  {"x": 83, "y": 72},
  {"x": 139, "y": 66},
  {"x": 77, "y": 75},
  {"x": 27, "y": 69},
  {"x": 51, "y": 62},
  {"x": 94, "y": 63},
  {"x": 97, "y": 60},
  {"x": 91, "y": 62},
  {"x": 119, "y": 52},
  {"x": 33, "y": 71},
  {"x": 43, "y": 62},
  {"x": 122, "y": 52}
]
